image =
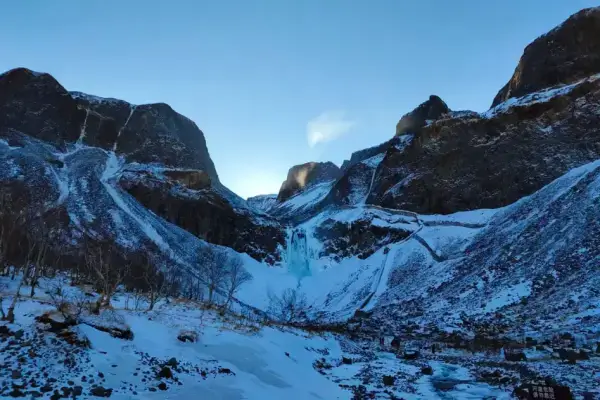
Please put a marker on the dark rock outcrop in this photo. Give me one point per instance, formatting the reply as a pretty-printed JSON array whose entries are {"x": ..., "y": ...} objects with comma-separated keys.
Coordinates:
[
  {"x": 37, "y": 105},
  {"x": 360, "y": 237},
  {"x": 430, "y": 110},
  {"x": 148, "y": 133},
  {"x": 76, "y": 189},
  {"x": 488, "y": 161},
  {"x": 205, "y": 212},
  {"x": 567, "y": 53},
  {"x": 305, "y": 175}
]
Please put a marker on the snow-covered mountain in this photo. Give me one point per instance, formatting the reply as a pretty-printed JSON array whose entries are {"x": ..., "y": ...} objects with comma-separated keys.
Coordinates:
[{"x": 462, "y": 225}]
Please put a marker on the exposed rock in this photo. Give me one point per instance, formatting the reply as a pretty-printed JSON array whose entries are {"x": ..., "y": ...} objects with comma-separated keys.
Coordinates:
[
  {"x": 430, "y": 110},
  {"x": 388, "y": 380},
  {"x": 566, "y": 54},
  {"x": 187, "y": 336},
  {"x": 206, "y": 214},
  {"x": 37, "y": 105},
  {"x": 149, "y": 133},
  {"x": 463, "y": 163},
  {"x": 99, "y": 391},
  {"x": 359, "y": 237},
  {"x": 192, "y": 179},
  {"x": 303, "y": 176}
]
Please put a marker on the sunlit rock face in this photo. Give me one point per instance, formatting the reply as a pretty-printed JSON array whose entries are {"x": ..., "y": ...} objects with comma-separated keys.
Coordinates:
[
  {"x": 303, "y": 176},
  {"x": 566, "y": 54}
]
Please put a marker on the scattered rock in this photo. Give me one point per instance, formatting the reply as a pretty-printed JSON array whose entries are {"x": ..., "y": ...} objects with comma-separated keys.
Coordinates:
[
  {"x": 187, "y": 336},
  {"x": 346, "y": 360},
  {"x": 388, "y": 380},
  {"x": 99, "y": 391},
  {"x": 427, "y": 370},
  {"x": 165, "y": 372}
]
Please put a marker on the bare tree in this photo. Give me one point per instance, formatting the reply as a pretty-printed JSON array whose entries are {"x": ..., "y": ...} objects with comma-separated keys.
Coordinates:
[
  {"x": 236, "y": 277},
  {"x": 290, "y": 307},
  {"x": 100, "y": 260},
  {"x": 10, "y": 221},
  {"x": 39, "y": 241},
  {"x": 213, "y": 270}
]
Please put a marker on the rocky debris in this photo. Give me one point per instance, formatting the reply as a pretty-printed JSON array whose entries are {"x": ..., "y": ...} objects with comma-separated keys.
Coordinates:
[
  {"x": 187, "y": 336},
  {"x": 427, "y": 370},
  {"x": 360, "y": 237},
  {"x": 99, "y": 391},
  {"x": 569, "y": 52},
  {"x": 388, "y": 380},
  {"x": 425, "y": 113},
  {"x": 303, "y": 176}
]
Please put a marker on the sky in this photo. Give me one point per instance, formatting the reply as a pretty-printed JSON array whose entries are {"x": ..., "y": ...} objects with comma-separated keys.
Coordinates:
[{"x": 275, "y": 83}]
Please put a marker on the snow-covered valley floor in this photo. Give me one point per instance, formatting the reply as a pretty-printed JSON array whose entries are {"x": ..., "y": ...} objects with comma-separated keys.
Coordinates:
[{"x": 233, "y": 358}]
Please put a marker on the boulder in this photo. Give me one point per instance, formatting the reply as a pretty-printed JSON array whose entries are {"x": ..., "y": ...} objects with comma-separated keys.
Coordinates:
[
  {"x": 427, "y": 111},
  {"x": 36, "y": 104},
  {"x": 187, "y": 336}
]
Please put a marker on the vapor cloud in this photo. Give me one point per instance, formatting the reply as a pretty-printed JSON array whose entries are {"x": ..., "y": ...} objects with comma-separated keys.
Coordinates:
[{"x": 326, "y": 127}]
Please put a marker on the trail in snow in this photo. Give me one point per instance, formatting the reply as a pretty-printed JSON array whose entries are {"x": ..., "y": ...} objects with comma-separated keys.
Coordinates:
[
  {"x": 83, "y": 128},
  {"x": 110, "y": 171},
  {"x": 123, "y": 128},
  {"x": 415, "y": 235}
]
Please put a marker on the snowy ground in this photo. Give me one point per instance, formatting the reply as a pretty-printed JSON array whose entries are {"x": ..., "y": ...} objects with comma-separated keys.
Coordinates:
[{"x": 233, "y": 359}]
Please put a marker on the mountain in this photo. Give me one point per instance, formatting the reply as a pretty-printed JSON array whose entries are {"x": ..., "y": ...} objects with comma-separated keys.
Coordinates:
[
  {"x": 303, "y": 176},
  {"x": 568, "y": 53},
  {"x": 125, "y": 172},
  {"x": 262, "y": 202},
  {"x": 474, "y": 232}
]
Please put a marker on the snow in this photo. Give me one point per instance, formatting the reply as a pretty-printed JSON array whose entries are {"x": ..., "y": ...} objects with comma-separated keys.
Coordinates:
[
  {"x": 266, "y": 363},
  {"x": 5, "y": 143},
  {"x": 63, "y": 186},
  {"x": 542, "y": 96},
  {"x": 123, "y": 127},
  {"x": 111, "y": 170},
  {"x": 509, "y": 295}
]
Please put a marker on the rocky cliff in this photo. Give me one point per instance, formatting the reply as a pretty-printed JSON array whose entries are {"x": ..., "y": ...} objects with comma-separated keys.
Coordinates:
[
  {"x": 566, "y": 54},
  {"x": 304, "y": 176},
  {"x": 98, "y": 156}
]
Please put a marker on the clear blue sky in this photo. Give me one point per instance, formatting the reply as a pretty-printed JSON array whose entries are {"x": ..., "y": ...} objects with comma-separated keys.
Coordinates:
[{"x": 256, "y": 75}]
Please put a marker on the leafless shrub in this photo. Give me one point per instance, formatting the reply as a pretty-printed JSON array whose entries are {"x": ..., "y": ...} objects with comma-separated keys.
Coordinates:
[{"x": 290, "y": 307}]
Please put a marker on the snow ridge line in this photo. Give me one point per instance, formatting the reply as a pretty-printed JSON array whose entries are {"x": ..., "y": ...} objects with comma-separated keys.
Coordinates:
[
  {"x": 83, "y": 127},
  {"x": 123, "y": 128},
  {"x": 370, "y": 185}
]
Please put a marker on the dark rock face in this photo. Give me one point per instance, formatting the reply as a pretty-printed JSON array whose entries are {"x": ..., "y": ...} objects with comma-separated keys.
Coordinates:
[
  {"x": 305, "y": 175},
  {"x": 191, "y": 179},
  {"x": 359, "y": 237},
  {"x": 362, "y": 155},
  {"x": 205, "y": 213},
  {"x": 79, "y": 192},
  {"x": 37, "y": 105},
  {"x": 149, "y": 133},
  {"x": 566, "y": 54},
  {"x": 430, "y": 110},
  {"x": 489, "y": 161}
]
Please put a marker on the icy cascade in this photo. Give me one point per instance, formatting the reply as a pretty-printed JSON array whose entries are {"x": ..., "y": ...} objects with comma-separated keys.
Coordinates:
[{"x": 298, "y": 257}]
